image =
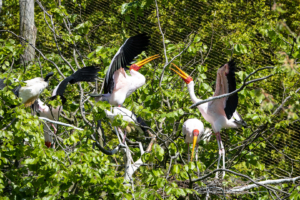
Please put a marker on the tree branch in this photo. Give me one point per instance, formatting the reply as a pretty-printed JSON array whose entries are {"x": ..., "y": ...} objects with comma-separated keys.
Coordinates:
[
  {"x": 163, "y": 36},
  {"x": 60, "y": 123},
  {"x": 278, "y": 181},
  {"x": 164, "y": 67}
]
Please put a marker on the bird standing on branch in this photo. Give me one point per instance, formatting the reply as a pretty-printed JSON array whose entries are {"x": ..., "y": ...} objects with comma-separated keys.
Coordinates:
[
  {"x": 193, "y": 131},
  {"x": 31, "y": 91},
  {"x": 86, "y": 74},
  {"x": 118, "y": 85},
  {"x": 220, "y": 113}
]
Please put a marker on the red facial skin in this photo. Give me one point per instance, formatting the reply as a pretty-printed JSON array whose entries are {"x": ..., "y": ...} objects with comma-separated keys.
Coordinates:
[
  {"x": 188, "y": 80},
  {"x": 135, "y": 67},
  {"x": 196, "y": 132},
  {"x": 48, "y": 144}
]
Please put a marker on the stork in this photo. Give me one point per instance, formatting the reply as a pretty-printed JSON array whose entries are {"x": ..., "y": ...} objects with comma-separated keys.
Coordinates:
[
  {"x": 135, "y": 123},
  {"x": 220, "y": 113},
  {"x": 193, "y": 131},
  {"x": 31, "y": 91},
  {"x": 86, "y": 74},
  {"x": 118, "y": 85}
]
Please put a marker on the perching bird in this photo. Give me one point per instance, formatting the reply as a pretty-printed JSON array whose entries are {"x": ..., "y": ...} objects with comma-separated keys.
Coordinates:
[
  {"x": 135, "y": 123},
  {"x": 193, "y": 131},
  {"x": 220, "y": 113},
  {"x": 86, "y": 74},
  {"x": 32, "y": 90},
  {"x": 118, "y": 85}
]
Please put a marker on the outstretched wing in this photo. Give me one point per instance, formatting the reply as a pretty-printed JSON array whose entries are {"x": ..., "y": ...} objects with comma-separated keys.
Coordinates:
[
  {"x": 232, "y": 101},
  {"x": 87, "y": 74},
  {"x": 225, "y": 84},
  {"x": 132, "y": 47}
]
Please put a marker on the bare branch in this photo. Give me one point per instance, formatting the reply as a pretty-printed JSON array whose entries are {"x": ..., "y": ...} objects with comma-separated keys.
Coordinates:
[
  {"x": 164, "y": 67},
  {"x": 60, "y": 123},
  {"x": 54, "y": 34},
  {"x": 162, "y": 34},
  {"x": 278, "y": 181}
]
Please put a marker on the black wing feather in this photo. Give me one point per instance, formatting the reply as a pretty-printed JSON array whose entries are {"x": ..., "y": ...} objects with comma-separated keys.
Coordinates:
[
  {"x": 127, "y": 52},
  {"x": 87, "y": 74},
  {"x": 15, "y": 90},
  {"x": 232, "y": 101},
  {"x": 2, "y": 84},
  {"x": 142, "y": 122}
]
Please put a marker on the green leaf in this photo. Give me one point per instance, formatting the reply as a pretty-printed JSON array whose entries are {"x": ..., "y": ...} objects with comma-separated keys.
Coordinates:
[{"x": 159, "y": 152}]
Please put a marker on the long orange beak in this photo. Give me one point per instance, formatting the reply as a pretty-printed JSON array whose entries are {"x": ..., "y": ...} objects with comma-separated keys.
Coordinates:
[
  {"x": 145, "y": 61},
  {"x": 194, "y": 144},
  {"x": 182, "y": 74}
]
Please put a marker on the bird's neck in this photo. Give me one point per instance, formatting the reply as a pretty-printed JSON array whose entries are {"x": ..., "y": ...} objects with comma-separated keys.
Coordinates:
[
  {"x": 134, "y": 72},
  {"x": 190, "y": 87}
]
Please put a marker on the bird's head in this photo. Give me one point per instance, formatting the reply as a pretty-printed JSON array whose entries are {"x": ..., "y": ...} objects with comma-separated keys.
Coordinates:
[
  {"x": 196, "y": 134},
  {"x": 137, "y": 66},
  {"x": 187, "y": 79}
]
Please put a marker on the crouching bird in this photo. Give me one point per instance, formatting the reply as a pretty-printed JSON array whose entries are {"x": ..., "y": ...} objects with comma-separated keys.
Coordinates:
[
  {"x": 135, "y": 123},
  {"x": 118, "y": 85},
  {"x": 220, "y": 113},
  {"x": 193, "y": 131},
  {"x": 31, "y": 91},
  {"x": 86, "y": 74}
]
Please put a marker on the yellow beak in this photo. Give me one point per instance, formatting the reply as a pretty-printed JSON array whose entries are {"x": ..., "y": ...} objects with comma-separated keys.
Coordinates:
[
  {"x": 181, "y": 73},
  {"x": 145, "y": 61},
  {"x": 194, "y": 144}
]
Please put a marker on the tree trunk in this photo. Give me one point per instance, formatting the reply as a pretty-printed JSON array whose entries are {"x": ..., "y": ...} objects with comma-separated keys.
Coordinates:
[
  {"x": 27, "y": 29},
  {"x": 0, "y": 5}
]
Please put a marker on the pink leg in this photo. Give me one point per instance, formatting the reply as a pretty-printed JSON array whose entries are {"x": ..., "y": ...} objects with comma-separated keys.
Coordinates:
[
  {"x": 125, "y": 132},
  {"x": 221, "y": 153},
  {"x": 55, "y": 130}
]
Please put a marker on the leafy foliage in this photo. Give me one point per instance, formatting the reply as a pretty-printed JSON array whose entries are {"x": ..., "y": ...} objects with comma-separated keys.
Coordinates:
[{"x": 255, "y": 33}]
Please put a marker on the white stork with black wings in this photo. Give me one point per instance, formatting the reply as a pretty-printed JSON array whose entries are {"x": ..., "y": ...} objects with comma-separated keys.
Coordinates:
[
  {"x": 86, "y": 74},
  {"x": 220, "y": 113},
  {"x": 118, "y": 85}
]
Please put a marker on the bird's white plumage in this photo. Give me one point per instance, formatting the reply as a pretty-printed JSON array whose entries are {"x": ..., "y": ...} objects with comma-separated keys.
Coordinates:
[
  {"x": 128, "y": 116},
  {"x": 31, "y": 91},
  {"x": 189, "y": 126},
  {"x": 137, "y": 80},
  {"x": 121, "y": 87},
  {"x": 44, "y": 111},
  {"x": 124, "y": 86},
  {"x": 213, "y": 113}
]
